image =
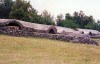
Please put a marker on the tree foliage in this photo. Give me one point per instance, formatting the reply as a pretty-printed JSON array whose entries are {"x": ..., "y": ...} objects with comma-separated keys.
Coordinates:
[
  {"x": 90, "y": 25},
  {"x": 44, "y": 18},
  {"x": 5, "y": 8},
  {"x": 78, "y": 20},
  {"x": 22, "y": 10}
]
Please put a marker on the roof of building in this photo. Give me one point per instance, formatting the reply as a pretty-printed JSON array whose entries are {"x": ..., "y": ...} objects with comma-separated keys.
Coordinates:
[
  {"x": 87, "y": 31},
  {"x": 35, "y": 26},
  {"x": 61, "y": 29}
]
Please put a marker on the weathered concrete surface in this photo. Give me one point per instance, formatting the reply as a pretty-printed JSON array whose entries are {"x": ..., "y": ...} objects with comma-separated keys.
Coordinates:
[{"x": 27, "y": 32}]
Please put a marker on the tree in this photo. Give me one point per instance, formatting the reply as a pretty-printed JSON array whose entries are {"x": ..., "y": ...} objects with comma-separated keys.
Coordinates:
[
  {"x": 46, "y": 15},
  {"x": 59, "y": 20},
  {"x": 47, "y": 18},
  {"x": 78, "y": 20},
  {"x": 96, "y": 26},
  {"x": 70, "y": 24},
  {"x": 81, "y": 19},
  {"x": 44, "y": 18},
  {"x": 23, "y": 10},
  {"x": 68, "y": 16},
  {"x": 90, "y": 25},
  {"x": 5, "y": 8}
]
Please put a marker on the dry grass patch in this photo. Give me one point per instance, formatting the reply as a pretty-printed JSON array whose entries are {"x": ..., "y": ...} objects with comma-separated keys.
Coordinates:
[{"x": 20, "y": 50}]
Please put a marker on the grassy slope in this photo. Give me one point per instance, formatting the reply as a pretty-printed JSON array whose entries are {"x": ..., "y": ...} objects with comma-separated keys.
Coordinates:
[{"x": 19, "y": 50}]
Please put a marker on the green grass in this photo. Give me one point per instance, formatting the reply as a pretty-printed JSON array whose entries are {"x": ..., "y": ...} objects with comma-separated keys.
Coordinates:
[{"x": 20, "y": 50}]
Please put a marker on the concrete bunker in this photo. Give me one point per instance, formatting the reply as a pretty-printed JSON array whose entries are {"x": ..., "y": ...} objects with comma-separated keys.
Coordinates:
[
  {"x": 14, "y": 25},
  {"x": 52, "y": 31}
]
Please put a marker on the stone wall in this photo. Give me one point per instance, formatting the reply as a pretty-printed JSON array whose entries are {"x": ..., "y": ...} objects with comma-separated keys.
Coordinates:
[
  {"x": 27, "y": 32},
  {"x": 95, "y": 36},
  {"x": 15, "y": 32}
]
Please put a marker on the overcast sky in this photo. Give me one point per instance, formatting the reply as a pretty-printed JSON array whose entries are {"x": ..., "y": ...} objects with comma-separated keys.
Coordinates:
[{"x": 55, "y": 7}]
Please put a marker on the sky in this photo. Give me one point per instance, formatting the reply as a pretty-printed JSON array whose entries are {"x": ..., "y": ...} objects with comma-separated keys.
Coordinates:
[{"x": 56, "y": 7}]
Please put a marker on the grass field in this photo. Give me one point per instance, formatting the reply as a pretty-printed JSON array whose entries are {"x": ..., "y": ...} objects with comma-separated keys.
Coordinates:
[{"x": 20, "y": 50}]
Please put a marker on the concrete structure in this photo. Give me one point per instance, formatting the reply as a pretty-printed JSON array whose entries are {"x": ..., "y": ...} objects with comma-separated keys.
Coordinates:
[
  {"x": 22, "y": 25},
  {"x": 88, "y": 31}
]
